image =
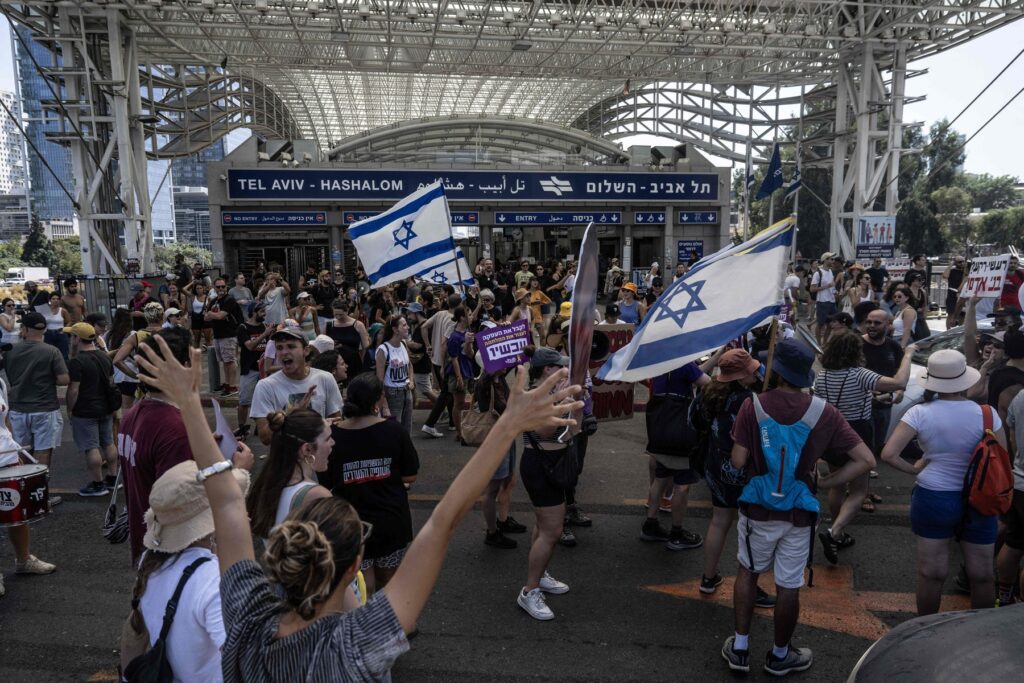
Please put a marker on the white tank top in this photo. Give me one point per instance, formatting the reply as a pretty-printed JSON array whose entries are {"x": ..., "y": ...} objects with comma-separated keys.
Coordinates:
[
  {"x": 197, "y": 306},
  {"x": 897, "y": 325},
  {"x": 284, "y": 503},
  {"x": 54, "y": 321},
  {"x": 396, "y": 359},
  {"x": 12, "y": 337}
]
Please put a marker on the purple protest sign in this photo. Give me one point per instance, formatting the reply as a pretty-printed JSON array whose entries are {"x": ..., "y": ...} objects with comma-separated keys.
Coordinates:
[{"x": 502, "y": 347}]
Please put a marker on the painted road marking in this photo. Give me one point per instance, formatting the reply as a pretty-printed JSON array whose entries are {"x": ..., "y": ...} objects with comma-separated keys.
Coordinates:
[{"x": 831, "y": 604}]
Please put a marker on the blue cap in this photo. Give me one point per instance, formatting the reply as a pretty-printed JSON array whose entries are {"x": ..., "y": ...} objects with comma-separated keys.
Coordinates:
[
  {"x": 414, "y": 307},
  {"x": 793, "y": 362}
]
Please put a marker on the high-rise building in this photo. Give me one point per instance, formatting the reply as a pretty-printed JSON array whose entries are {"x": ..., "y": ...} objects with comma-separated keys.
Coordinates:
[
  {"x": 49, "y": 201},
  {"x": 12, "y": 161},
  {"x": 192, "y": 215},
  {"x": 191, "y": 171},
  {"x": 14, "y": 221},
  {"x": 160, "y": 181}
]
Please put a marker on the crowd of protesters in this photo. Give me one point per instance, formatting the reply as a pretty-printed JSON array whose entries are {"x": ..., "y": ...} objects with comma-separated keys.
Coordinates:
[{"x": 328, "y": 371}]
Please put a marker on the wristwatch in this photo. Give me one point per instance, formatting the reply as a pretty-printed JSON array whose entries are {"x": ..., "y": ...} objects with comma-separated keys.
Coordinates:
[{"x": 216, "y": 468}]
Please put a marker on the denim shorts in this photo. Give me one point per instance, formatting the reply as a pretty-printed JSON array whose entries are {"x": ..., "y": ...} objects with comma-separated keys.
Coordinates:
[
  {"x": 40, "y": 431},
  {"x": 938, "y": 514}
]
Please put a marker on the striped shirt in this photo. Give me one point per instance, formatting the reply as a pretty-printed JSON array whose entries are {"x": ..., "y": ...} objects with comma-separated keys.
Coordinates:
[
  {"x": 849, "y": 390},
  {"x": 361, "y": 645}
]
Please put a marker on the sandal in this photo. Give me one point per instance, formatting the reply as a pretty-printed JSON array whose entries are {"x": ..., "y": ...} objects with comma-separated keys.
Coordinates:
[
  {"x": 867, "y": 506},
  {"x": 874, "y": 498}
]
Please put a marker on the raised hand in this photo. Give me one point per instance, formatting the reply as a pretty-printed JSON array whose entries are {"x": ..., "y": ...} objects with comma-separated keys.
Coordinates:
[
  {"x": 175, "y": 381},
  {"x": 540, "y": 408}
]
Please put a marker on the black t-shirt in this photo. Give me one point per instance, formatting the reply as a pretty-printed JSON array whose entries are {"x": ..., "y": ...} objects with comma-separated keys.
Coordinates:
[
  {"x": 884, "y": 359},
  {"x": 226, "y": 327},
  {"x": 912, "y": 273},
  {"x": 878, "y": 276},
  {"x": 40, "y": 298},
  {"x": 324, "y": 295},
  {"x": 249, "y": 360},
  {"x": 93, "y": 370},
  {"x": 365, "y": 468},
  {"x": 423, "y": 365},
  {"x": 1000, "y": 380},
  {"x": 956, "y": 276}
]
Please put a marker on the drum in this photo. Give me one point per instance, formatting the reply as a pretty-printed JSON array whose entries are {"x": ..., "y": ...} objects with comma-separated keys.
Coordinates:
[{"x": 24, "y": 494}]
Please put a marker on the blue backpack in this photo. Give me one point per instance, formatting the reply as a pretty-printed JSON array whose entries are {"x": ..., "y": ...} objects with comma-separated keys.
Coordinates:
[{"x": 778, "y": 488}]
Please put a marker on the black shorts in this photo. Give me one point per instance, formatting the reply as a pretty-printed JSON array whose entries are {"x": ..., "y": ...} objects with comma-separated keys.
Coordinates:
[
  {"x": 865, "y": 430},
  {"x": 679, "y": 477},
  {"x": 951, "y": 297},
  {"x": 1014, "y": 521},
  {"x": 543, "y": 492}
]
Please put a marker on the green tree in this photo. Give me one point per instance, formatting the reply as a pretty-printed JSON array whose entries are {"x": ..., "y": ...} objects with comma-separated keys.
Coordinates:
[
  {"x": 37, "y": 250},
  {"x": 917, "y": 229},
  {"x": 165, "y": 255},
  {"x": 1002, "y": 227},
  {"x": 990, "y": 192},
  {"x": 952, "y": 208},
  {"x": 67, "y": 256},
  {"x": 10, "y": 255},
  {"x": 944, "y": 157}
]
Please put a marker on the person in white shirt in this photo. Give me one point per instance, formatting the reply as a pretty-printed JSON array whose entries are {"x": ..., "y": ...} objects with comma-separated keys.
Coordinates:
[
  {"x": 823, "y": 287},
  {"x": 275, "y": 293},
  {"x": 790, "y": 289},
  {"x": 179, "y": 535},
  {"x": 296, "y": 384}
]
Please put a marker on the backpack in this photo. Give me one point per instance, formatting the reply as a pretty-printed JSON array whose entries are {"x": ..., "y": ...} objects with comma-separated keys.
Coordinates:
[
  {"x": 778, "y": 488},
  {"x": 988, "y": 483}
]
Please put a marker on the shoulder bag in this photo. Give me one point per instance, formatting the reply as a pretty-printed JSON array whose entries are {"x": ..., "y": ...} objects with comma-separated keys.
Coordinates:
[
  {"x": 476, "y": 424},
  {"x": 152, "y": 666}
]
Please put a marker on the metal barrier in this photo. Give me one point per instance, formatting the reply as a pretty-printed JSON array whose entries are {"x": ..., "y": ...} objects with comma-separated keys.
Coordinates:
[{"x": 103, "y": 293}]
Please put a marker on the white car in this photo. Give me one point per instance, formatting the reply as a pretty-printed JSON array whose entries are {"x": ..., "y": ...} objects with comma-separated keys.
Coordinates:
[{"x": 947, "y": 339}]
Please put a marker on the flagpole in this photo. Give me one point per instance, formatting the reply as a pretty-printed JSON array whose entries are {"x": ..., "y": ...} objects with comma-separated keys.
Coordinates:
[
  {"x": 773, "y": 333},
  {"x": 796, "y": 195},
  {"x": 455, "y": 249},
  {"x": 748, "y": 169}
]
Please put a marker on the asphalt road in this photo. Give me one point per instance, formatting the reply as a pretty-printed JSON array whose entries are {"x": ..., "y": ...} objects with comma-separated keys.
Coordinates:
[{"x": 633, "y": 612}]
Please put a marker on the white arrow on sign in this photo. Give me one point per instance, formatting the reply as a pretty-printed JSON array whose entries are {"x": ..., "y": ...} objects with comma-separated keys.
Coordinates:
[{"x": 501, "y": 218}]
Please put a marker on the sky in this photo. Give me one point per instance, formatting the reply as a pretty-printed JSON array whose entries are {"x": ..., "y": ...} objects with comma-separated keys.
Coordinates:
[{"x": 954, "y": 77}]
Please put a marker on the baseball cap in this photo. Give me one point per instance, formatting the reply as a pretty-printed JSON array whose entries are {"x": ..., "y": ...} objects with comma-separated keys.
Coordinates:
[
  {"x": 611, "y": 309},
  {"x": 322, "y": 343},
  {"x": 414, "y": 307},
  {"x": 136, "y": 287},
  {"x": 565, "y": 310},
  {"x": 630, "y": 286},
  {"x": 292, "y": 331},
  {"x": 31, "y": 283},
  {"x": 83, "y": 331},
  {"x": 171, "y": 311},
  {"x": 827, "y": 255},
  {"x": 545, "y": 356},
  {"x": 33, "y": 321},
  {"x": 302, "y": 295}
]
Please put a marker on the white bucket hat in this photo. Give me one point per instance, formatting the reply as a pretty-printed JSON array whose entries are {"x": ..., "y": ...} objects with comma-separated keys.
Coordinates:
[{"x": 948, "y": 373}]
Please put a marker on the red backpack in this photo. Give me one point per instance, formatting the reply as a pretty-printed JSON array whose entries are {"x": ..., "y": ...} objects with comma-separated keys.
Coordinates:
[{"x": 988, "y": 484}]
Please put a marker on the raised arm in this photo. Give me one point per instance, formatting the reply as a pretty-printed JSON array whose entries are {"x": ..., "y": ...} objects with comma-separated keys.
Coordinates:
[
  {"x": 526, "y": 411},
  {"x": 902, "y": 376}
]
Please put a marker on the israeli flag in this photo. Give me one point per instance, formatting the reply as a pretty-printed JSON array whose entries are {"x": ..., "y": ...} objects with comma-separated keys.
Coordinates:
[
  {"x": 773, "y": 177},
  {"x": 455, "y": 271},
  {"x": 408, "y": 239},
  {"x": 720, "y": 298},
  {"x": 751, "y": 179},
  {"x": 794, "y": 182}
]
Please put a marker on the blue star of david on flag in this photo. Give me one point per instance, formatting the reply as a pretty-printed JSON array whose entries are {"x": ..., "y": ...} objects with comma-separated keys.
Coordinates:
[
  {"x": 693, "y": 304},
  {"x": 405, "y": 239},
  {"x": 439, "y": 277}
]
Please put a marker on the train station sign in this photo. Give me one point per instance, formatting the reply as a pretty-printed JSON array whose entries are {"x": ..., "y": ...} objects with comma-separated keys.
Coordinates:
[
  {"x": 557, "y": 218},
  {"x": 457, "y": 217},
  {"x": 272, "y": 218},
  {"x": 323, "y": 184},
  {"x": 698, "y": 218}
]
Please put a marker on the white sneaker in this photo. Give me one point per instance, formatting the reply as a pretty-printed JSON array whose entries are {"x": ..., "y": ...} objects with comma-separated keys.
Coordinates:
[
  {"x": 533, "y": 603},
  {"x": 550, "y": 584},
  {"x": 430, "y": 431},
  {"x": 33, "y": 565}
]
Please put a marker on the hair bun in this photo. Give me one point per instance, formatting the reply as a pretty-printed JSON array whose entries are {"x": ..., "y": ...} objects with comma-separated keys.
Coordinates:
[
  {"x": 299, "y": 557},
  {"x": 275, "y": 420}
]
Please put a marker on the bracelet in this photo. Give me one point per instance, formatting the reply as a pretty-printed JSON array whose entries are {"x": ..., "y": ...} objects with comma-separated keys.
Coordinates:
[{"x": 216, "y": 468}]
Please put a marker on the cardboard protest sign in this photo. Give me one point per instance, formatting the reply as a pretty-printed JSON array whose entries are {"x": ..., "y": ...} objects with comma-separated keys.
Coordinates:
[
  {"x": 502, "y": 347},
  {"x": 986, "y": 278},
  {"x": 612, "y": 400}
]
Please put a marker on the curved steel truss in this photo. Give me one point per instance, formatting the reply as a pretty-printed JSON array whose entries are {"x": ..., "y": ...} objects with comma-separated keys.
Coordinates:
[{"x": 477, "y": 139}]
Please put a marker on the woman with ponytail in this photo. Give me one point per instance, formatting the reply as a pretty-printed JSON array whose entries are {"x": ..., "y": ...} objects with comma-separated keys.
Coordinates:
[
  {"x": 372, "y": 466},
  {"x": 299, "y": 446},
  {"x": 306, "y": 635}
]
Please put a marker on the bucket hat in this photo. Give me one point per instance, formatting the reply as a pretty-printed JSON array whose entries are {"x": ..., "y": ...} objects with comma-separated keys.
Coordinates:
[{"x": 948, "y": 373}]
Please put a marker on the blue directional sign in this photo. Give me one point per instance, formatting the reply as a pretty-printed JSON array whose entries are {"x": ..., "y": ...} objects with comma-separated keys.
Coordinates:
[
  {"x": 698, "y": 217},
  {"x": 557, "y": 218},
  {"x": 686, "y": 247},
  {"x": 317, "y": 184},
  {"x": 458, "y": 217},
  {"x": 273, "y": 218},
  {"x": 649, "y": 217}
]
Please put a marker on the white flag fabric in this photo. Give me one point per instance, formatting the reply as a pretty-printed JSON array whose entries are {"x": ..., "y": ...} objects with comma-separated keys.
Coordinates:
[
  {"x": 408, "y": 239},
  {"x": 720, "y": 298},
  {"x": 447, "y": 273}
]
